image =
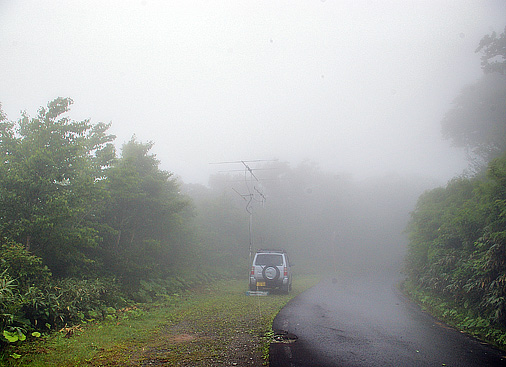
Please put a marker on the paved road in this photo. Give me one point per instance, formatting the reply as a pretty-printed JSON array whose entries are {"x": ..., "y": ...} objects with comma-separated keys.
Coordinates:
[{"x": 364, "y": 321}]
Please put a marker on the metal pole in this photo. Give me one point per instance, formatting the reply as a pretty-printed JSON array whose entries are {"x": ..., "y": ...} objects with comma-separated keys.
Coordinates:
[{"x": 250, "y": 237}]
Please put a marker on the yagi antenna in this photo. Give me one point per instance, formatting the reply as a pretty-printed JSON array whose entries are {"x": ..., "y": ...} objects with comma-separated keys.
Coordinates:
[
  {"x": 243, "y": 161},
  {"x": 241, "y": 170},
  {"x": 252, "y": 195}
]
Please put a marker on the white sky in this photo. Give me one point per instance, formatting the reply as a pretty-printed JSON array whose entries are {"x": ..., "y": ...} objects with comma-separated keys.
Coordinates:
[{"x": 357, "y": 86}]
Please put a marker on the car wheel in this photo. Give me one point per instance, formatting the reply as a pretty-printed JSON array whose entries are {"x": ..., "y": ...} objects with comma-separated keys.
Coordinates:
[{"x": 270, "y": 273}]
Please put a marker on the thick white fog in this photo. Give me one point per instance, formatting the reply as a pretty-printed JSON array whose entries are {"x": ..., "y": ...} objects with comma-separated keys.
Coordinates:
[{"x": 357, "y": 86}]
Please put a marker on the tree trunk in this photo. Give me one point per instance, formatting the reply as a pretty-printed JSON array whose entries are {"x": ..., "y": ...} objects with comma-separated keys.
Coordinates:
[
  {"x": 118, "y": 238},
  {"x": 27, "y": 243}
]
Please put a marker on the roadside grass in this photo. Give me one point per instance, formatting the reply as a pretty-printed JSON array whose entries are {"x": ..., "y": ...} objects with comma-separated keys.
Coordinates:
[
  {"x": 210, "y": 326},
  {"x": 458, "y": 317}
]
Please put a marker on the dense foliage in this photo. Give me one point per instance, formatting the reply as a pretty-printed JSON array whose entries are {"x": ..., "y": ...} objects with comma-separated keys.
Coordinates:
[
  {"x": 458, "y": 242},
  {"x": 49, "y": 165},
  {"x": 82, "y": 230},
  {"x": 457, "y": 233}
]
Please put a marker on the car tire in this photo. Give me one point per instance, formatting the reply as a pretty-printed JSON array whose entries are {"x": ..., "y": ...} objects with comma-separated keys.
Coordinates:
[
  {"x": 285, "y": 289},
  {"x": 270, "y": 273}
]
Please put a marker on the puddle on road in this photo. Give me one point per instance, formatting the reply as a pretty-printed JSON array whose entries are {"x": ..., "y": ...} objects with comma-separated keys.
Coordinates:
[{"x": 282, "y": 336}]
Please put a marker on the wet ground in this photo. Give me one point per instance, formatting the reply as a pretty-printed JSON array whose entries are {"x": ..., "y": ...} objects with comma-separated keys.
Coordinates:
[{"x": 365, "y": 321}]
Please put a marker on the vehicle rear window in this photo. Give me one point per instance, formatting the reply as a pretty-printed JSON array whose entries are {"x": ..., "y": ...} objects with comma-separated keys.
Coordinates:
[{"x": 269, "y": 259}]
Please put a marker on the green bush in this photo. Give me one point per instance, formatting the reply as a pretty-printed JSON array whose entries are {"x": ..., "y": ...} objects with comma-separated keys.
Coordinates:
[
  {"x": 69, "y": 301},
  {"x": 8, "y": 301},
  {"x": 21, "y": 265},
  {"x": 458, "y": 244}
]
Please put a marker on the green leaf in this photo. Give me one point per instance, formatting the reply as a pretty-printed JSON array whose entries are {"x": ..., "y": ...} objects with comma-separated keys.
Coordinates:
[
  {"x": 21, "y": 336},
  {"x": 36, "y": 334},
  {"x": 15, "y": 355},
  {"x": 11, "y": 337}
]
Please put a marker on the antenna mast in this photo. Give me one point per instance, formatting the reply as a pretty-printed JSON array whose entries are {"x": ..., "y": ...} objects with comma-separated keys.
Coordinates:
[{"x": 254, "y": 194}]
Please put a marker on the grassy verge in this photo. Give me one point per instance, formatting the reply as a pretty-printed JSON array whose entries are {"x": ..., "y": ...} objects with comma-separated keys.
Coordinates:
[
  {"x": 458, "y": 317},
  {"x": 212, "y": 326}
]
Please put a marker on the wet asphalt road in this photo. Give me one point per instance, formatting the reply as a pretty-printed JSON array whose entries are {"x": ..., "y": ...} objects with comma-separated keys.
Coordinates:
[{"x": 365, "y": 321}]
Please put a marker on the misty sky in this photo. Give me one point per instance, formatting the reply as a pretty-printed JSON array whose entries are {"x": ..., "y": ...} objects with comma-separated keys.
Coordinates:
[{"x": 357, "y": 86}]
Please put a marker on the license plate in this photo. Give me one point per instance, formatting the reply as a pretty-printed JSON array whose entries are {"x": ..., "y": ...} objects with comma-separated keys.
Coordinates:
[{"x": 260, "y": 284}]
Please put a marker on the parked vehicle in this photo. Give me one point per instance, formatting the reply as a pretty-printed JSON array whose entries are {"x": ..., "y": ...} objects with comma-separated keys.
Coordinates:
[{"x": 271, "y": 269}]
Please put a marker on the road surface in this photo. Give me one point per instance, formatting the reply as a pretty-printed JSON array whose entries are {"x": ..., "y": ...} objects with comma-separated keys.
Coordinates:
[{"x": 365, "y": 321}]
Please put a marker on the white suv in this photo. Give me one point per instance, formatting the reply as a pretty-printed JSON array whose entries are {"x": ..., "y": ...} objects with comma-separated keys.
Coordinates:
[{"x": 271, "y": 270}]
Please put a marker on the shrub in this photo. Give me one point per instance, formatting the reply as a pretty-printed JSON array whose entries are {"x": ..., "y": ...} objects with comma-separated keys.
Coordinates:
[
  {"x": 21, "y": 265},
  {"x": 8, "y": 302},
  {"x": 69, "y": 301}
]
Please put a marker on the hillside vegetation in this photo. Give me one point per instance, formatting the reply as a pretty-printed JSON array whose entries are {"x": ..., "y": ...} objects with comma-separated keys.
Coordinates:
[
  {"x": 82, "y": 230},
  {"x": 456, "y": 263}
]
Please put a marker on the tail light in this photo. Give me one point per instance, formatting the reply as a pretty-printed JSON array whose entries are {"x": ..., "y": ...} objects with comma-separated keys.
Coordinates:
[
  {"x": 285, "y": 271},
  {"x": 252, "y": 270}
]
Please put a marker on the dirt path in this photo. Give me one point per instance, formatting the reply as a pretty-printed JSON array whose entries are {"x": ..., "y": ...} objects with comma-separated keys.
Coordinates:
[
  {"x": 218, "y": 327},
  {"x": 211, "y": 333}
]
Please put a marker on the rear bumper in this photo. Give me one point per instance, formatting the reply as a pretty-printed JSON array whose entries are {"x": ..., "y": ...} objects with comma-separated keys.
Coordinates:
[{"x": 268, "y": 284}]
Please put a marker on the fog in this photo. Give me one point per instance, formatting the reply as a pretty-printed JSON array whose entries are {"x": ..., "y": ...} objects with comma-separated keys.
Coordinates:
[
  {"x": 326, "y": 222},
  {"x": 357, "y": 87}
]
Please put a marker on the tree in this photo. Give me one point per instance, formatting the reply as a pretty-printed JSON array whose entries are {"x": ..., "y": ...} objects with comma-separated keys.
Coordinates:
[
  {"x": 477, "y": 120},
  {"x": 145, "y": 213},
  {"x": 222, "y": 224},
  {"x": 50, "y": 184},
  {"x": 493, "y": 49}
]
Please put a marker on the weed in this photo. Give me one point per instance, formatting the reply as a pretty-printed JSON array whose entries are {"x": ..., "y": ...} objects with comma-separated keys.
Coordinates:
[
  {"x": 206, "y": 326},
  {"x": 457, "y": 316}
]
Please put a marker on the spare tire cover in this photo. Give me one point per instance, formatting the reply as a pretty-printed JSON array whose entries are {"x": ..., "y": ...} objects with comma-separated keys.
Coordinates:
[{"x": 270, "y": 273}]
